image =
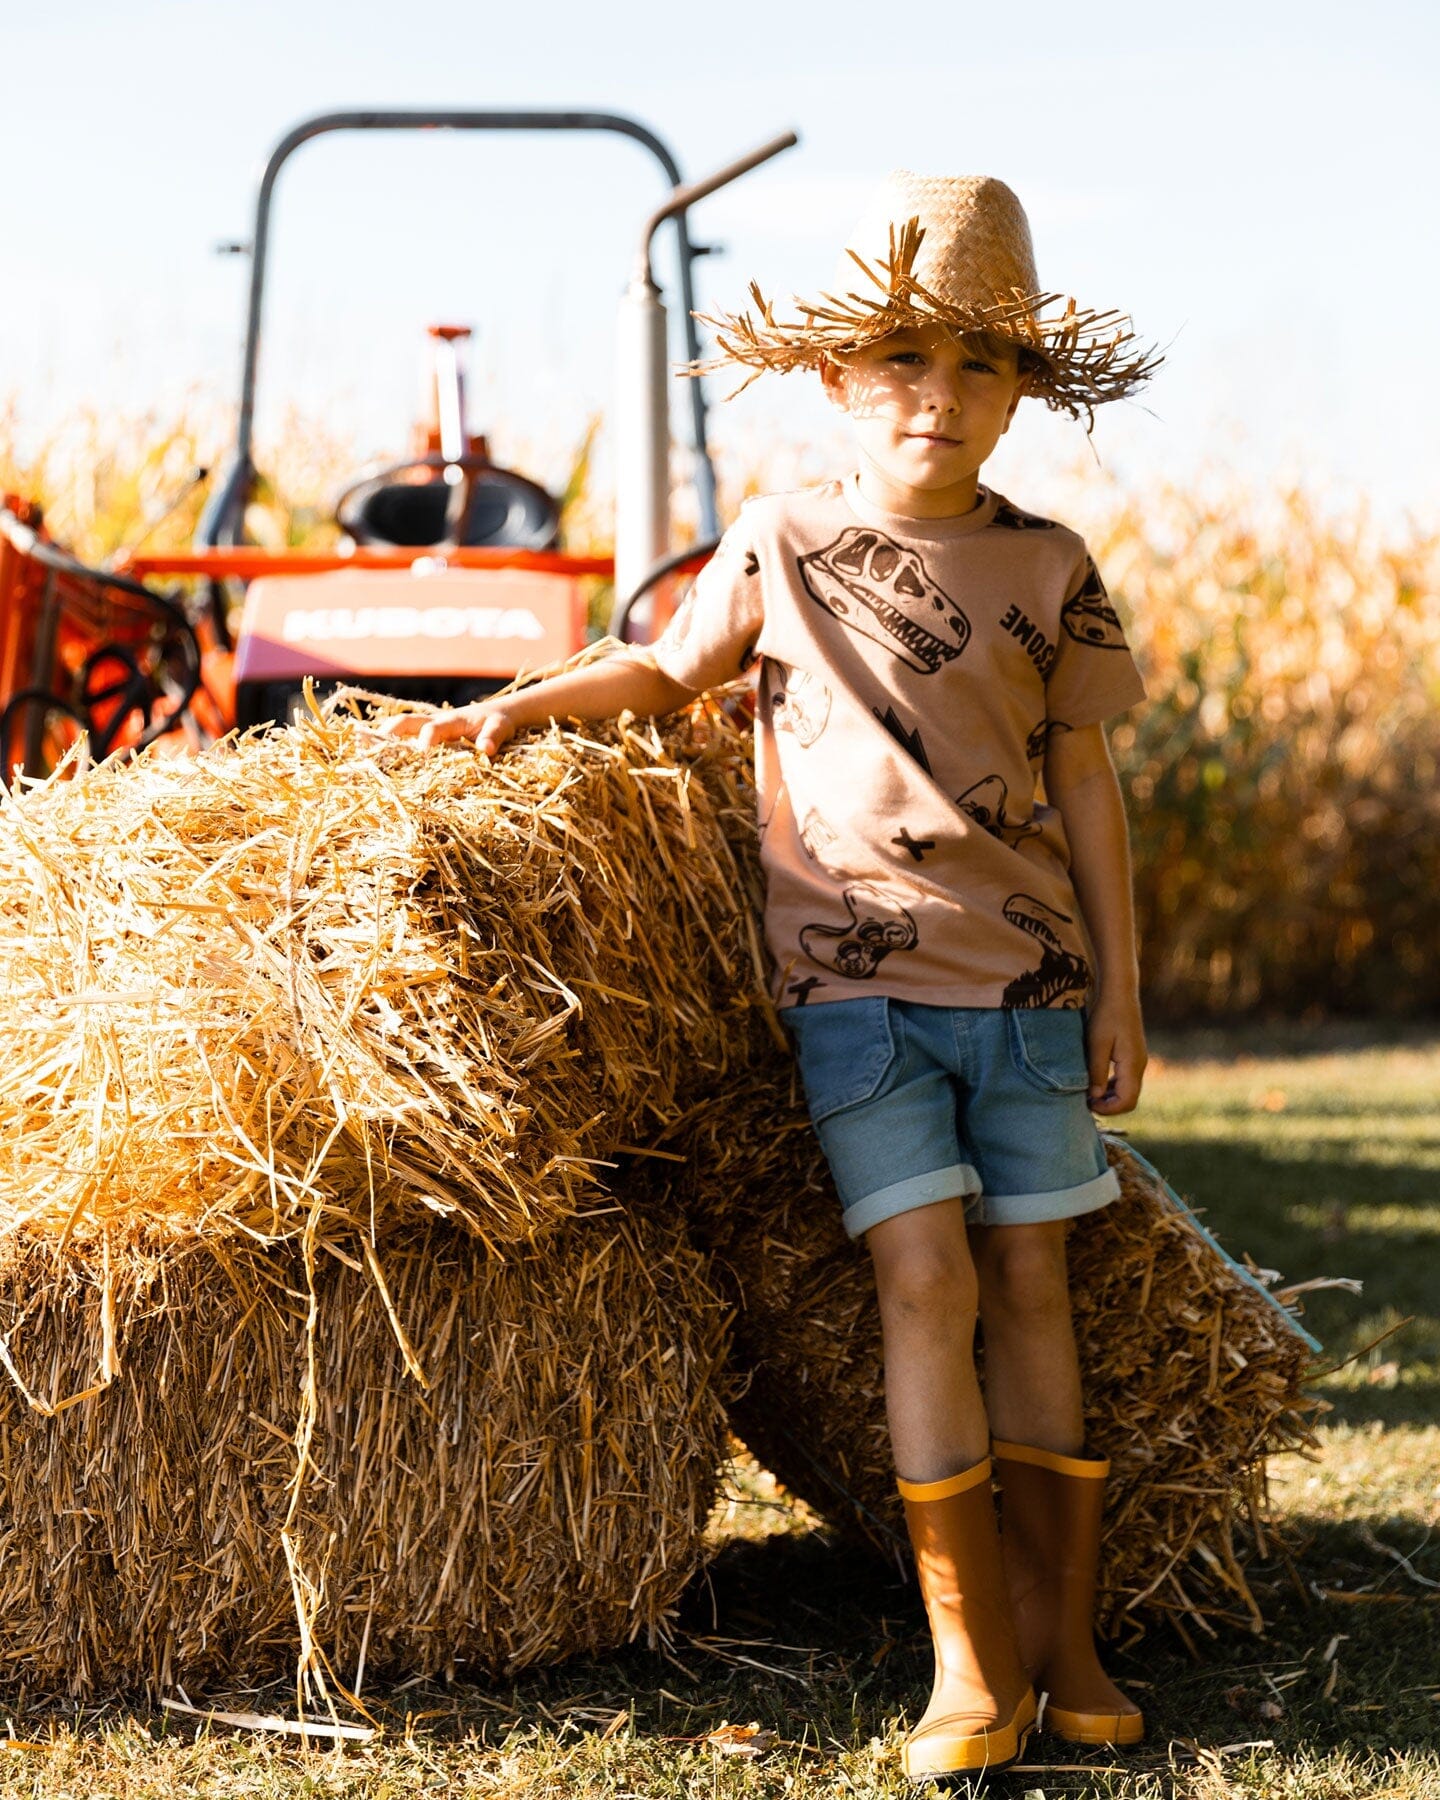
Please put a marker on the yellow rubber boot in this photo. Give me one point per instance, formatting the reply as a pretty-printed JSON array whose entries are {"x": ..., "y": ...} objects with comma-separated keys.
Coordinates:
[
  {"x": 981, "y": 1706},
  {"x": 1050, "y": 1508}
]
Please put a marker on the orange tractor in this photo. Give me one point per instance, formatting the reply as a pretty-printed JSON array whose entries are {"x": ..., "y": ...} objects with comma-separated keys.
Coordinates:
[{"x": 449, "y": 581}]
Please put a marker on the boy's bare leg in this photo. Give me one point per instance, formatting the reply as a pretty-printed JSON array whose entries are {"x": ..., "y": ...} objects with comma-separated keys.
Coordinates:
[
  {"x": 927, "y": 1288},
  {"x": 981, "y": 1702},
  {"x": 1032, "y": 1371},
  {"x": 1051, "y": 1507}
]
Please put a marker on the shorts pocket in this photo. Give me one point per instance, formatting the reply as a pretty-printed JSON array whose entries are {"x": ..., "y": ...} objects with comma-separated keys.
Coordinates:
[
  {"x": 1047, "y": 1045},
  {"x": 845, "y": 1049}
]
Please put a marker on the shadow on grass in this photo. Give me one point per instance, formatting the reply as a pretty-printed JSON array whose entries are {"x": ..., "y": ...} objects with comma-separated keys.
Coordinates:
[
  {"x": 1329, "y": 1212},
  {"x": 824, "y": 1645},
  {"x": 1263, "y": 1192},
  {"x": 1260, "y": 1039}
]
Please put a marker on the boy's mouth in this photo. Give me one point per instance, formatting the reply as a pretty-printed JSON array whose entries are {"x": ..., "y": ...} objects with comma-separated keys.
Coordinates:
[{"x": 932, "y": 437}]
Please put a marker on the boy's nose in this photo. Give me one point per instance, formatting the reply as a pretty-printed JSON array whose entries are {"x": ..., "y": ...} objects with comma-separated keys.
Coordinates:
[{"x": 939, "y": 393}]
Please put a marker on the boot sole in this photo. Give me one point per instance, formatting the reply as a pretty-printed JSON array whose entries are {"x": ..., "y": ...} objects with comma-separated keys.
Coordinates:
[
  {"x": 971, "y": 1752},
  {"x": 1094, "y": 1728}
]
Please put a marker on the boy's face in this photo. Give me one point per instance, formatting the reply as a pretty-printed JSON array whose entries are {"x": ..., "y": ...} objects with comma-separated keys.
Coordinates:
[{"x": 927, "y": 408}]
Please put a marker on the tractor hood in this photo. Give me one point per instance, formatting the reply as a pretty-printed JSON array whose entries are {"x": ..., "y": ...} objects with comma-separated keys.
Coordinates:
[{"x": 427, "y": 620}]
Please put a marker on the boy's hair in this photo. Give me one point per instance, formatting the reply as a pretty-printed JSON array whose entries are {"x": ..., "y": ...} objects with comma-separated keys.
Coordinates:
[
  {"x": 1003, "y": 349},
  {"x": 997, "y": 345}
]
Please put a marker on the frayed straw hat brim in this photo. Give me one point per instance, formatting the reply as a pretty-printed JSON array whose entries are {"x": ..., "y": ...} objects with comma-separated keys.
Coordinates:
[{"x": 1080, "y": 359}]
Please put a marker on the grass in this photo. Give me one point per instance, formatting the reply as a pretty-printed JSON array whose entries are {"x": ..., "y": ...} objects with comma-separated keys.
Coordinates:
[{"x": 1319, "y": 1152}]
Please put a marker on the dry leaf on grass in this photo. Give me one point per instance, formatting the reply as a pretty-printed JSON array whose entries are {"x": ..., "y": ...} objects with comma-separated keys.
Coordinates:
[{"x": 749, "y": 1742}]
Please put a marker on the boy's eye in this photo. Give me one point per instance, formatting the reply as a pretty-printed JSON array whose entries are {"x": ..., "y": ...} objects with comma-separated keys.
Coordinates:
[
  {"x": 905, "y": 356},
  {"x": 979, "y": 362}
]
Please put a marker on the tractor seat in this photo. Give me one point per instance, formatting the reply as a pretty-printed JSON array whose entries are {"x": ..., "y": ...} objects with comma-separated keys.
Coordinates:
[{"x": 505, "y": 510}]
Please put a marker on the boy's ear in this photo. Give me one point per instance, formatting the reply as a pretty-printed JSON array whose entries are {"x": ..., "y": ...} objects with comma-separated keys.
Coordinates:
[
  {"x": 832, "y": 379},
  {"x": 1022, "y": 387}
]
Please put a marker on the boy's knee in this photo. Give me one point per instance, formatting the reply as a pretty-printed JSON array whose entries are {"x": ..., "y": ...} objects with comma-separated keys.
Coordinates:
[
  {"x": 927, "y": 1277},
  {"x": 1023, "y": 1266}
]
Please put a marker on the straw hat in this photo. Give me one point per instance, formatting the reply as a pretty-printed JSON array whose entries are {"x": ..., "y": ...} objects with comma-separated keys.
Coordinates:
[{"x": 952, "y": 249}]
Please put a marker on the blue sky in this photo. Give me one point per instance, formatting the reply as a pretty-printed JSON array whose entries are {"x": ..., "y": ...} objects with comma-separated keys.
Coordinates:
[{"x": 1255, "y": 183}]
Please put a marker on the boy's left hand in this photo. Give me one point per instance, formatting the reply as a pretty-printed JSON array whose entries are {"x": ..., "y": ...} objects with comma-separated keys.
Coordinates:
[{"x": 1115, "y": 1051}]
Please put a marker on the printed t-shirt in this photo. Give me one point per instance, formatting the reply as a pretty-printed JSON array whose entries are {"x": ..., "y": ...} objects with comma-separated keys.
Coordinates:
[{"x": 912, "y": 672}]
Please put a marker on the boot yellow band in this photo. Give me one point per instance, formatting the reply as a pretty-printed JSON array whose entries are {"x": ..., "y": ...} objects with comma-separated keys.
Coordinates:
[
  {"x": 1087, "y": 1468},
  {"x": 947, "y": 1489}
]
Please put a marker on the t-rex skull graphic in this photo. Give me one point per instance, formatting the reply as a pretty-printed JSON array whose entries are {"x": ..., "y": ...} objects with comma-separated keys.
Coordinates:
[
  {"x": 1090, "y": 618},
  {"x": 882, "y": 590},
  {"x": 878, "y": 925},
  {"x": 800, "y": 703},
  {"x": 1061, "y": 978},
  {"x": 985, "y": 803}
]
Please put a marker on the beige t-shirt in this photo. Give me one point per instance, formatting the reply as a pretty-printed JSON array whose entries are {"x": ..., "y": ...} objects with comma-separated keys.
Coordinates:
[{"x": 912, "y": 671}]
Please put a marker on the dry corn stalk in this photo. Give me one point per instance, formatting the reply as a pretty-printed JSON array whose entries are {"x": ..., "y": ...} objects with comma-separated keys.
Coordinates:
[{"x": 1293, "y": 665}]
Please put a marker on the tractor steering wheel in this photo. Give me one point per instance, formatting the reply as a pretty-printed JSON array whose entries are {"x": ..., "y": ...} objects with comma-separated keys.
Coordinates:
[{"x": 485, "y": 505}]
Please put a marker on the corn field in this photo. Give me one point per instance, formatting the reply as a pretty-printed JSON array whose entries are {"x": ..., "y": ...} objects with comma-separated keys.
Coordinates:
[{"x": 1282, "y": 778}]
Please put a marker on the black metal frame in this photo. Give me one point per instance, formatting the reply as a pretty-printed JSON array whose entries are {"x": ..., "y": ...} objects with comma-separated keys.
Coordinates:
[
  {"x": 625, "y": 603},
  {"x": 222, "y": 519}
]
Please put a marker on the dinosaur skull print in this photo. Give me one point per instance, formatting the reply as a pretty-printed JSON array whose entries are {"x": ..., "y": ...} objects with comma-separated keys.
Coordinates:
[
  {"x": 800, "y": 703},
  {"x": 985, "y": 803},
  {"x": 1010, "y": 518},
  {"x": 877, "y": 926},
  {"x": 1090, "y": 618},
  {"x": 883, "y": 591},
  {"x": 1061, "y": 977},
  {"x": 1039, "y": 739}
]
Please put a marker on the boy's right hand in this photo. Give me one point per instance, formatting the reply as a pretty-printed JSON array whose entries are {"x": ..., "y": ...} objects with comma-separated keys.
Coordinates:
[
  {"x": 624, "y": 682},
  {"x": 487, "y": 724}
]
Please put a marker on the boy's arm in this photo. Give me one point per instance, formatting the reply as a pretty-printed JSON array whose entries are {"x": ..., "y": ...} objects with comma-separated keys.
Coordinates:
[
  {"x": 1080, "y": 782},
  {"x": 625, "y": 682}
]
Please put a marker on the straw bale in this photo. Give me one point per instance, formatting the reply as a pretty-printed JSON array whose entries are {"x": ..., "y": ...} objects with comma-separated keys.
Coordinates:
[
  {"x": 545, "y": 1493},
  {"x": 1192, "y": 1374},
  {"x": 319, "y": 970}
]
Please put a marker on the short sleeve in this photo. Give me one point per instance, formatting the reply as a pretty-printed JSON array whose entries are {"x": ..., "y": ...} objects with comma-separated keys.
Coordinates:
[
  {"x": 712, "y": 638},
  {"x": 1093, "y": 675}
]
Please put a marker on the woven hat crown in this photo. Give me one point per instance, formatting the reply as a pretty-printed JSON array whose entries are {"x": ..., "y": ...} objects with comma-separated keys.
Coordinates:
[
  {"x": 974, "y": 250},
  {"x": 952, "y": 250}
]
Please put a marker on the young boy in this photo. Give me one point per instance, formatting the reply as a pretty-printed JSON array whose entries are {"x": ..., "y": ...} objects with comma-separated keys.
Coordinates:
[{"x": 926, "y": 652}]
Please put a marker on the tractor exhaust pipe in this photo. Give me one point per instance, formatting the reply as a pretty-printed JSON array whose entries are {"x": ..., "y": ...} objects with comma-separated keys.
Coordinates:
[
  {"x": 642, "y": 404},
  {"x": 642, "y": 434}
]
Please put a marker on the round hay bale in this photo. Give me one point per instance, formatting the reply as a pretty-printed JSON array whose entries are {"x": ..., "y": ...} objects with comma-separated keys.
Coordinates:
[
  {"x": 544, "y": 1492},
  {"x": 1192, "y": 1373},
  {"x": 315, "y": 962}
]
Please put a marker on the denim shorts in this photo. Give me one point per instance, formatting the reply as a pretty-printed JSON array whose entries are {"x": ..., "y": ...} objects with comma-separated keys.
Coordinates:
[{"x": 916, "y": 1104}]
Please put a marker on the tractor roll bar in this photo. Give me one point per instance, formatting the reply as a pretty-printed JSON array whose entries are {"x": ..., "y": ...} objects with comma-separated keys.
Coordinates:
[
  {"x": 642, "y": 394},
  {"x": 684, "y": 197},
  {"x": 222, "y": 516}
]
